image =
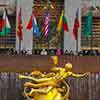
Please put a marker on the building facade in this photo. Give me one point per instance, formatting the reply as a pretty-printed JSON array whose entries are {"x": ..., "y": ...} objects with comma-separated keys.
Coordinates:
[{"x": 66, "y": 40}]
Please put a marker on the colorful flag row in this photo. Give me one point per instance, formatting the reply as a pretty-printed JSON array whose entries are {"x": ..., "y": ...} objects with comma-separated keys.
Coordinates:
[
  {"x": 33, "y": 24},
  {"x": 87, "y": 27},
  {"x": 5, "y": 27},
  {"x": 64, "y": 25}
]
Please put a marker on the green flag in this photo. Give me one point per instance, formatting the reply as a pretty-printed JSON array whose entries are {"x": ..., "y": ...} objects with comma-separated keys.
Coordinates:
[
  {"x": 6, "y": 28},
  {"x": 88, "y": 24},
  {"x": 94, "y": 2}
]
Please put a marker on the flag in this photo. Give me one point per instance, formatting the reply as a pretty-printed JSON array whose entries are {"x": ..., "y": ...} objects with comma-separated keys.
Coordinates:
[
  {"x": 20, "y": 26},
  {"x": 88, "y": 24},
  {"x": 65, "y": 24},
  {"x": 5, "y": 25},
  {"x": 33, "y": 24},
  {"x": 0, "y": 24},
  {"x": 29, "y": 25},
  {"x": 76, "y": 24},
  {"x": 46, "y": 30},
  {"x": 94, "y": 2},
  {"x": 59, "y": 27},
  {"x": 62, "y": 23}
]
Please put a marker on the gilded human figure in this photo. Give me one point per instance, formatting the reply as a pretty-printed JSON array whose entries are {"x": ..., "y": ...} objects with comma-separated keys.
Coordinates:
[{"x": 47, "y": 86}]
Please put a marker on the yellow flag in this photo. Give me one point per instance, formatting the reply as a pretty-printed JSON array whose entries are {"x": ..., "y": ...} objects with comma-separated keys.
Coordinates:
[{"x": 59, "y": 27}]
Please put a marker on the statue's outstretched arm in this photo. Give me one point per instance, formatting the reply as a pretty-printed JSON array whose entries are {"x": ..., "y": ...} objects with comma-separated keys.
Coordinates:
[
  {"x": 35, "y": 79},
  {"x": 78, "y": 75},
  {"x": 32, "y": 85}
]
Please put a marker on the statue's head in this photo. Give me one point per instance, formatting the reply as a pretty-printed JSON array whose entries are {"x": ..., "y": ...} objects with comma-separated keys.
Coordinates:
[
  {"x": 55, "y": 59},
  {"x": 68, "y": 66}
]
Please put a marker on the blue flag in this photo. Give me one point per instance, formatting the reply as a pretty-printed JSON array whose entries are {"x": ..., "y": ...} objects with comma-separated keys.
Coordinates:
[{"x": 35, "y": 27}]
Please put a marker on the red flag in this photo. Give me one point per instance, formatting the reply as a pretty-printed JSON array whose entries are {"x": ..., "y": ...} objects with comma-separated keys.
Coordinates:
[
  {"x": 76, "y": 25},
  {"x": 29, "y": 25},
  {"x": 0, "y": 25},
  {"x": 65, "y": 24},
  {"x": 20, "y": 26}
]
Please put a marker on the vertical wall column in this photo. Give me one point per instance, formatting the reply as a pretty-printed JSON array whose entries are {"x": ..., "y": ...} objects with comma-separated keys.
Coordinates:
[
  {"x": 70, "y": 13},
  {"x": 98, "y": 2},
  {"x": 26, "y": 6}
]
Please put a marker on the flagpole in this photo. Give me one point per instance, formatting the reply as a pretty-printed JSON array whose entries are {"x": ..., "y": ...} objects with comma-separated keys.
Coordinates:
[
  {"x": 5, "y": 27},
  {"x": 77, "y": 45},
  {"x": 48, "y": 9},
  {"x": 76, "y": 28},
  {"x": 91, "y": 36},
  {"x": 19, "y": 46},
  {"x": 20, "y": 27},
  {"x": 48, "y": 6},
  {"x": 48, "y": 42},
  {"x": 91, "y": 41}
]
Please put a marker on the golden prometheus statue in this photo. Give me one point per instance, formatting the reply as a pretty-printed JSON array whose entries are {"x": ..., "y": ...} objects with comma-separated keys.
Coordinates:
[{"x": 49, "y": 86}]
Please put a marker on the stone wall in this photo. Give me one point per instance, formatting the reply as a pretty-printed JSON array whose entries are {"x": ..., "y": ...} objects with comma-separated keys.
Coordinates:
[
  {"x": 26, "y": 6},
  {"x": 70, "y": 12}
]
